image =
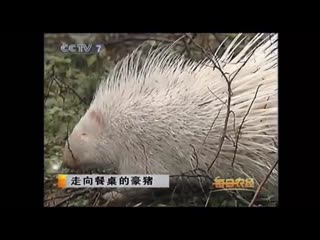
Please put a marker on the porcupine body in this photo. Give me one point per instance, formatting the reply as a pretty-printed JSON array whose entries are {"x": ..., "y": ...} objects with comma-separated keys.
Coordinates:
[{"x": 166, "y": 115}]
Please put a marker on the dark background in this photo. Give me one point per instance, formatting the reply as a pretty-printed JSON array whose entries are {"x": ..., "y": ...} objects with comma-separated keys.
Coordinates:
[{"x": 23, "y": 111}]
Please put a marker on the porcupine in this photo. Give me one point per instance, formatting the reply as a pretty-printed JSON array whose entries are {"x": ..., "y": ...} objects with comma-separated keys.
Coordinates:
[{"x": 153, "y": 116}]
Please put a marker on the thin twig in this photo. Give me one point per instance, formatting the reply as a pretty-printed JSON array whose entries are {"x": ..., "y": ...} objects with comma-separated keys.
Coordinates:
[
  {"x": 55, "y": 78},
  {"x": 174, "y": 190},
  {"x": 197, "y": 168},
  {"x": 208, "y": 198},
  {"x": 217, "y": 65},
  {"x": 205, "y": 103},
  {"x": 193, "y": 176},
  {"x": 68, "y": 146},
  {"x": 237, "y": 195},
  {"x": 136, "y": 38},
  {"x": 195, "y": 156},
  {"x": 228, "y": 81},
  {"x": 217, "y": 38},
  {"x": 71, "y": 196},
  {"x": 240, "y": 127},
  {"x": 216, "y": 96},
  {"x": 245, "y": 62},
  {"x": 48, "y": 91},
  {"x": 234, "y": 122},
  {"x": 229, "y": 103},
  {"x": 202, "y": 188},
  {"x": 224, "y": 129},
  {"x": 50, "y": 83},
  {"x": 187, "y": 45},
  {"x": 262, "y": 183},
  {"x": 212, "y": 125},
  {"x": 96, "y": 197}
]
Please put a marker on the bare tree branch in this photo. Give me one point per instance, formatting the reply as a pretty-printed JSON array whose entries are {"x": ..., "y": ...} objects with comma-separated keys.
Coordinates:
[
  {"x": 262, "y": 183},
  {"x": 68, "y": 144},
  {"x": 217, "y": 65},
  {"x": 195, "y": 156},
  {"x": 216, "y": 96},
  {"x": 187, "y": 45},
  {"x": 96, "y": 199},
  {"x": 55, "y": 78},
  {"x": 240, "y": 127},
  {"x": 234, "y": 122},
  {"x": 212, "y": 125},
  {"x": 237, "y": 195},
  {"x": 48, "y": 91},
  {"x": 229, "y": 80},
  {"x": 208, "y": 198},
  {"x": 71, "y": 196},
  {"x": 151, "y": 38}
]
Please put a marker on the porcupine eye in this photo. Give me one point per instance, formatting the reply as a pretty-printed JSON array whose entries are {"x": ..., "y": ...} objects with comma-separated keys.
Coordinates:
[{"x": 83, "y": 136}]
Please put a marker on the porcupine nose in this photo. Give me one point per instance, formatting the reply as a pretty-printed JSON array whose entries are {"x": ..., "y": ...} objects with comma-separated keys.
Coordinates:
[{"x": 69, "y": 159}]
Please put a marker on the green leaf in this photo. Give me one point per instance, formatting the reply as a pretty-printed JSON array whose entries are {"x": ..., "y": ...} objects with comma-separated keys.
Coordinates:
[
  {"x": 69, "y": 73},
  {"x": 91, "y": 60},
  {"x": 58, "y": 59},
  {"x": 232, "y": 35},
  {"x": 50, "y": 102},
  {"x": 54, "y": 110}
]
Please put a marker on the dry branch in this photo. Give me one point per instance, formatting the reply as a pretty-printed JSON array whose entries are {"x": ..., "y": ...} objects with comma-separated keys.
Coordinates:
[
  {"x": 261, "y": 184},
  {"x": 229, "y": 80},
  {"x": 71, "y": 196},
  {"x": 240, "y": 127}
]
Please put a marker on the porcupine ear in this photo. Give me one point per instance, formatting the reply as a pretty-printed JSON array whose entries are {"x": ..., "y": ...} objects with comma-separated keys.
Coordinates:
[{"x": 97, "y": 120}]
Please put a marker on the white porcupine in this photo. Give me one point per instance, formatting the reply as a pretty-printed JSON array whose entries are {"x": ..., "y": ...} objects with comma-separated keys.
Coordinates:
[{"x": 146, "y": 115}]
